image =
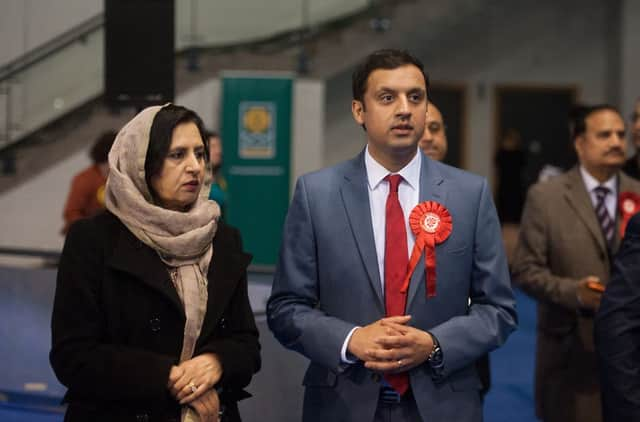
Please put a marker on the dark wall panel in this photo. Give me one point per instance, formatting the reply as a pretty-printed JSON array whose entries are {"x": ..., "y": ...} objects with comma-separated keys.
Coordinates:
[{"x": 139, "y": 52}]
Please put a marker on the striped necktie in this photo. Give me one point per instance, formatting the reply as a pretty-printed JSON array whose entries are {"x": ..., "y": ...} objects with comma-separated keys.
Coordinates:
[{"x": 606, "y": 222}]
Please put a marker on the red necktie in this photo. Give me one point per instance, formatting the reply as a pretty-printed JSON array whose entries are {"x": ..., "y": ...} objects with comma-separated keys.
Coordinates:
[{"x": 396, "y": 259}]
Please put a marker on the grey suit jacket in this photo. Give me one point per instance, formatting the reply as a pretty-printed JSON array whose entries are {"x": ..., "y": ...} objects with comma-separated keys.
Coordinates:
[
  {"x": 561, "y": 242},
  {"x": 327, "y": 282}
]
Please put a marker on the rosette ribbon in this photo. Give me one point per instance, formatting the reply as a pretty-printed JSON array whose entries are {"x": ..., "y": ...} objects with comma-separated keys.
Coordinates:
[
  {"x": 432, "y": 224},
  {"x": 628, "y": 204}
]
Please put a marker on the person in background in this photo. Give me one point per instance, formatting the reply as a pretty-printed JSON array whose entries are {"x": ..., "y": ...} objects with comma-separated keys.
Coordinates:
[
  {"x": 434, "y": 144},
  {"x": 617, "y": 332},
  {"x": 632, "y": 165},
  {"x": 86, "y": 196},
  {"x": 218, "y": 191},
  {"x": 151, "y": 318},
  {"x": 568, "y": 234},
  {"x": 434, "y": 138},
  {"x": 510, "y": 160}
]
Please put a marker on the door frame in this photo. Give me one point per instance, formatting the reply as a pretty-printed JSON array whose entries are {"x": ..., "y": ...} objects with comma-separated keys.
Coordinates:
[
  {"x": 498, "y": 89},
  {"x": 462, "y": 89}
]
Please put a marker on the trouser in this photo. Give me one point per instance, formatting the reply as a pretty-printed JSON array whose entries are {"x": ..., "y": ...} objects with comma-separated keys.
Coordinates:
[{"x": 399, "y": 409}]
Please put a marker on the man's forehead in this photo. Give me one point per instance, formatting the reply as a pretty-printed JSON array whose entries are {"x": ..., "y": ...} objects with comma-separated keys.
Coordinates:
[
  {"x": 433, "y": 114},
  {"x": 405, "y": 77},
  {"x": 603, "y": 118}
]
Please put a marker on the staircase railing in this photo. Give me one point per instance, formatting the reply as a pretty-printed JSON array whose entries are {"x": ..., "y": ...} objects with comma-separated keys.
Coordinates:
[{"x": 66, "y": 72}]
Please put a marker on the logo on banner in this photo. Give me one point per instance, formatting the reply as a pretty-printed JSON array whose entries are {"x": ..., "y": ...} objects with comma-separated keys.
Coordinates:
[{"x": 257, "y": 134}]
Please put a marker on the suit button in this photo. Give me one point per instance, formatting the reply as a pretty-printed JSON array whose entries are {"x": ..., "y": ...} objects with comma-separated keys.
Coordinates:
[
  {"x": 223, "y": 323},
  {"x": 376, "y": 377},
  {"x": 143, "y": 417},
  {"x": 154, "y": 323}
]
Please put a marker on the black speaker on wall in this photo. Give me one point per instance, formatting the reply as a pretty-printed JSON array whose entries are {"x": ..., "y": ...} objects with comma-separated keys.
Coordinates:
[{"x": 139, "y": 52}]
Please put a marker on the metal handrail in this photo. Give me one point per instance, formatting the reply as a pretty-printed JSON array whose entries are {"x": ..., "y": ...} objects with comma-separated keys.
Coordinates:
[
  {"x": 89, "y": 26},
  {"x": 51, "y": 47},
  {"x": 27, "y": 110},
  {"x": 30, "y": 252}
]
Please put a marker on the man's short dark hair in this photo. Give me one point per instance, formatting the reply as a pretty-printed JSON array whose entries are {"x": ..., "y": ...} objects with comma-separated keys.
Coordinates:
[
  {"x": 99, "y": 152},
  {"x": 208, "y": 135},
  {"x": 160, "y": 135},
  {"x": 211, "y": 134},
  {"x": 579, "y": 114},
  {"x": 382, "y": 59}
]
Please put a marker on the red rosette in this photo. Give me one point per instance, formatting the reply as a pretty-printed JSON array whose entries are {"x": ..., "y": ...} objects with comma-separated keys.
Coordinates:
[
  {"x": 432, "y": 224},
  {"x": 628, "y": 204}
]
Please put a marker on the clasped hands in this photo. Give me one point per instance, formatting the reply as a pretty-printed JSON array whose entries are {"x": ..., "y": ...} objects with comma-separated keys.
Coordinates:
[
  {"x": 390, "y": 345},
  {"x": 192, "y": 381}
]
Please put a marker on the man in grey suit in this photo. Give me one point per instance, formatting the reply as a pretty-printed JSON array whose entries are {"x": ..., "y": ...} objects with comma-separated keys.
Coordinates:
[
  {"x": 388, "y": 343},
  {"x": 568, "y": 233}
]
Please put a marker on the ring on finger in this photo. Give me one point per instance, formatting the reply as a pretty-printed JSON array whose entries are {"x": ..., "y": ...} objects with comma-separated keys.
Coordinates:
[
  {"x": 192, "y": 387},
  {"x": 399, "y": 362}
]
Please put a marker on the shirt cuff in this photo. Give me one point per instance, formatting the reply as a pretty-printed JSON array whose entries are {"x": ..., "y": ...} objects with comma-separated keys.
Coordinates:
[{"x": 345, "y": 356}]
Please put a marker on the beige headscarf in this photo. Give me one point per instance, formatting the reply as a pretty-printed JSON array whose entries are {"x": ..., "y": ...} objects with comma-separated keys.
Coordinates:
[{"x": 182, "y": 239}]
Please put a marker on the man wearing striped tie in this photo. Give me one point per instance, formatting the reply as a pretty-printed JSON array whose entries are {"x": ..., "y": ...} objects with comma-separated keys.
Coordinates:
[{"x": 568, "y": 235}]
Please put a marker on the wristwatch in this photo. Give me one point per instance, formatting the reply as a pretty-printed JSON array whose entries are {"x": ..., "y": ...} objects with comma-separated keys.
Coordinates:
[{"x": 435, "y": 359}]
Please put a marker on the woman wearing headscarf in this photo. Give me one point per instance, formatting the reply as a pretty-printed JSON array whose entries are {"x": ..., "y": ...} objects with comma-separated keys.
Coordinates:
[{"x": 151, "y": 320}]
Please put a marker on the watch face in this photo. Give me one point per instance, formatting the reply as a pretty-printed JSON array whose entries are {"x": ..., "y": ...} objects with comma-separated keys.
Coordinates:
[{"x": 436, "y": 356}]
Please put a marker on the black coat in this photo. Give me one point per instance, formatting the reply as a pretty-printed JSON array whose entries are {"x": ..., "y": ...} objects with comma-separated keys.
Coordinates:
[
  {"x": 117, "y": 324},
  {"x": 617, "y": 332}
]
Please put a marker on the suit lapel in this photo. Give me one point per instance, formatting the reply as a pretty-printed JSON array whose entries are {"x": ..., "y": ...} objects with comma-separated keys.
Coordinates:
[
  {"x": 133, "y": 257},
  {"x": 578, "y": 198},
  {"x": 432, "y": 188},
  {"x": 355, "y": 197}
]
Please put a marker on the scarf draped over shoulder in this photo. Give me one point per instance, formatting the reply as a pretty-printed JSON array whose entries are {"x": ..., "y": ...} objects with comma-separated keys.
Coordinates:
[{"x": 182, "y": 239}]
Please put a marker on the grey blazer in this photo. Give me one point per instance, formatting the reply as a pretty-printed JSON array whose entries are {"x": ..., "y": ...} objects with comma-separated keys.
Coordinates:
[
  {"x": 561, "y": 242},
  {"x": 327, "y": 282}
]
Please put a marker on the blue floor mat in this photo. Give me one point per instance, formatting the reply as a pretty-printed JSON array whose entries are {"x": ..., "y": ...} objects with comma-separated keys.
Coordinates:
[
  {"x": 25, "y": 359},
  {"x": 512, "y": 366},
  {"x": 24, "y": 407},
  {"x": 13, "y": 414}
]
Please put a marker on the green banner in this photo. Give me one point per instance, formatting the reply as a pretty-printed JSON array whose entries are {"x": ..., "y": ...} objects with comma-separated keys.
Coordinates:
[{"x": 256, "y": 137}]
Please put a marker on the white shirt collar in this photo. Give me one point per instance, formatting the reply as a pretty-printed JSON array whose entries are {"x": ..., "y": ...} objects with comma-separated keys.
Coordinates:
[
  {"x": 376, "y": 172},
  {"x": 591, "y": 182}
]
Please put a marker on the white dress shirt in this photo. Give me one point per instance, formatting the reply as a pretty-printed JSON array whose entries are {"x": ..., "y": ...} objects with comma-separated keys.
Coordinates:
[
  {"x": 611, "y": 200},
  {"x": 408, "y": 195}
]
